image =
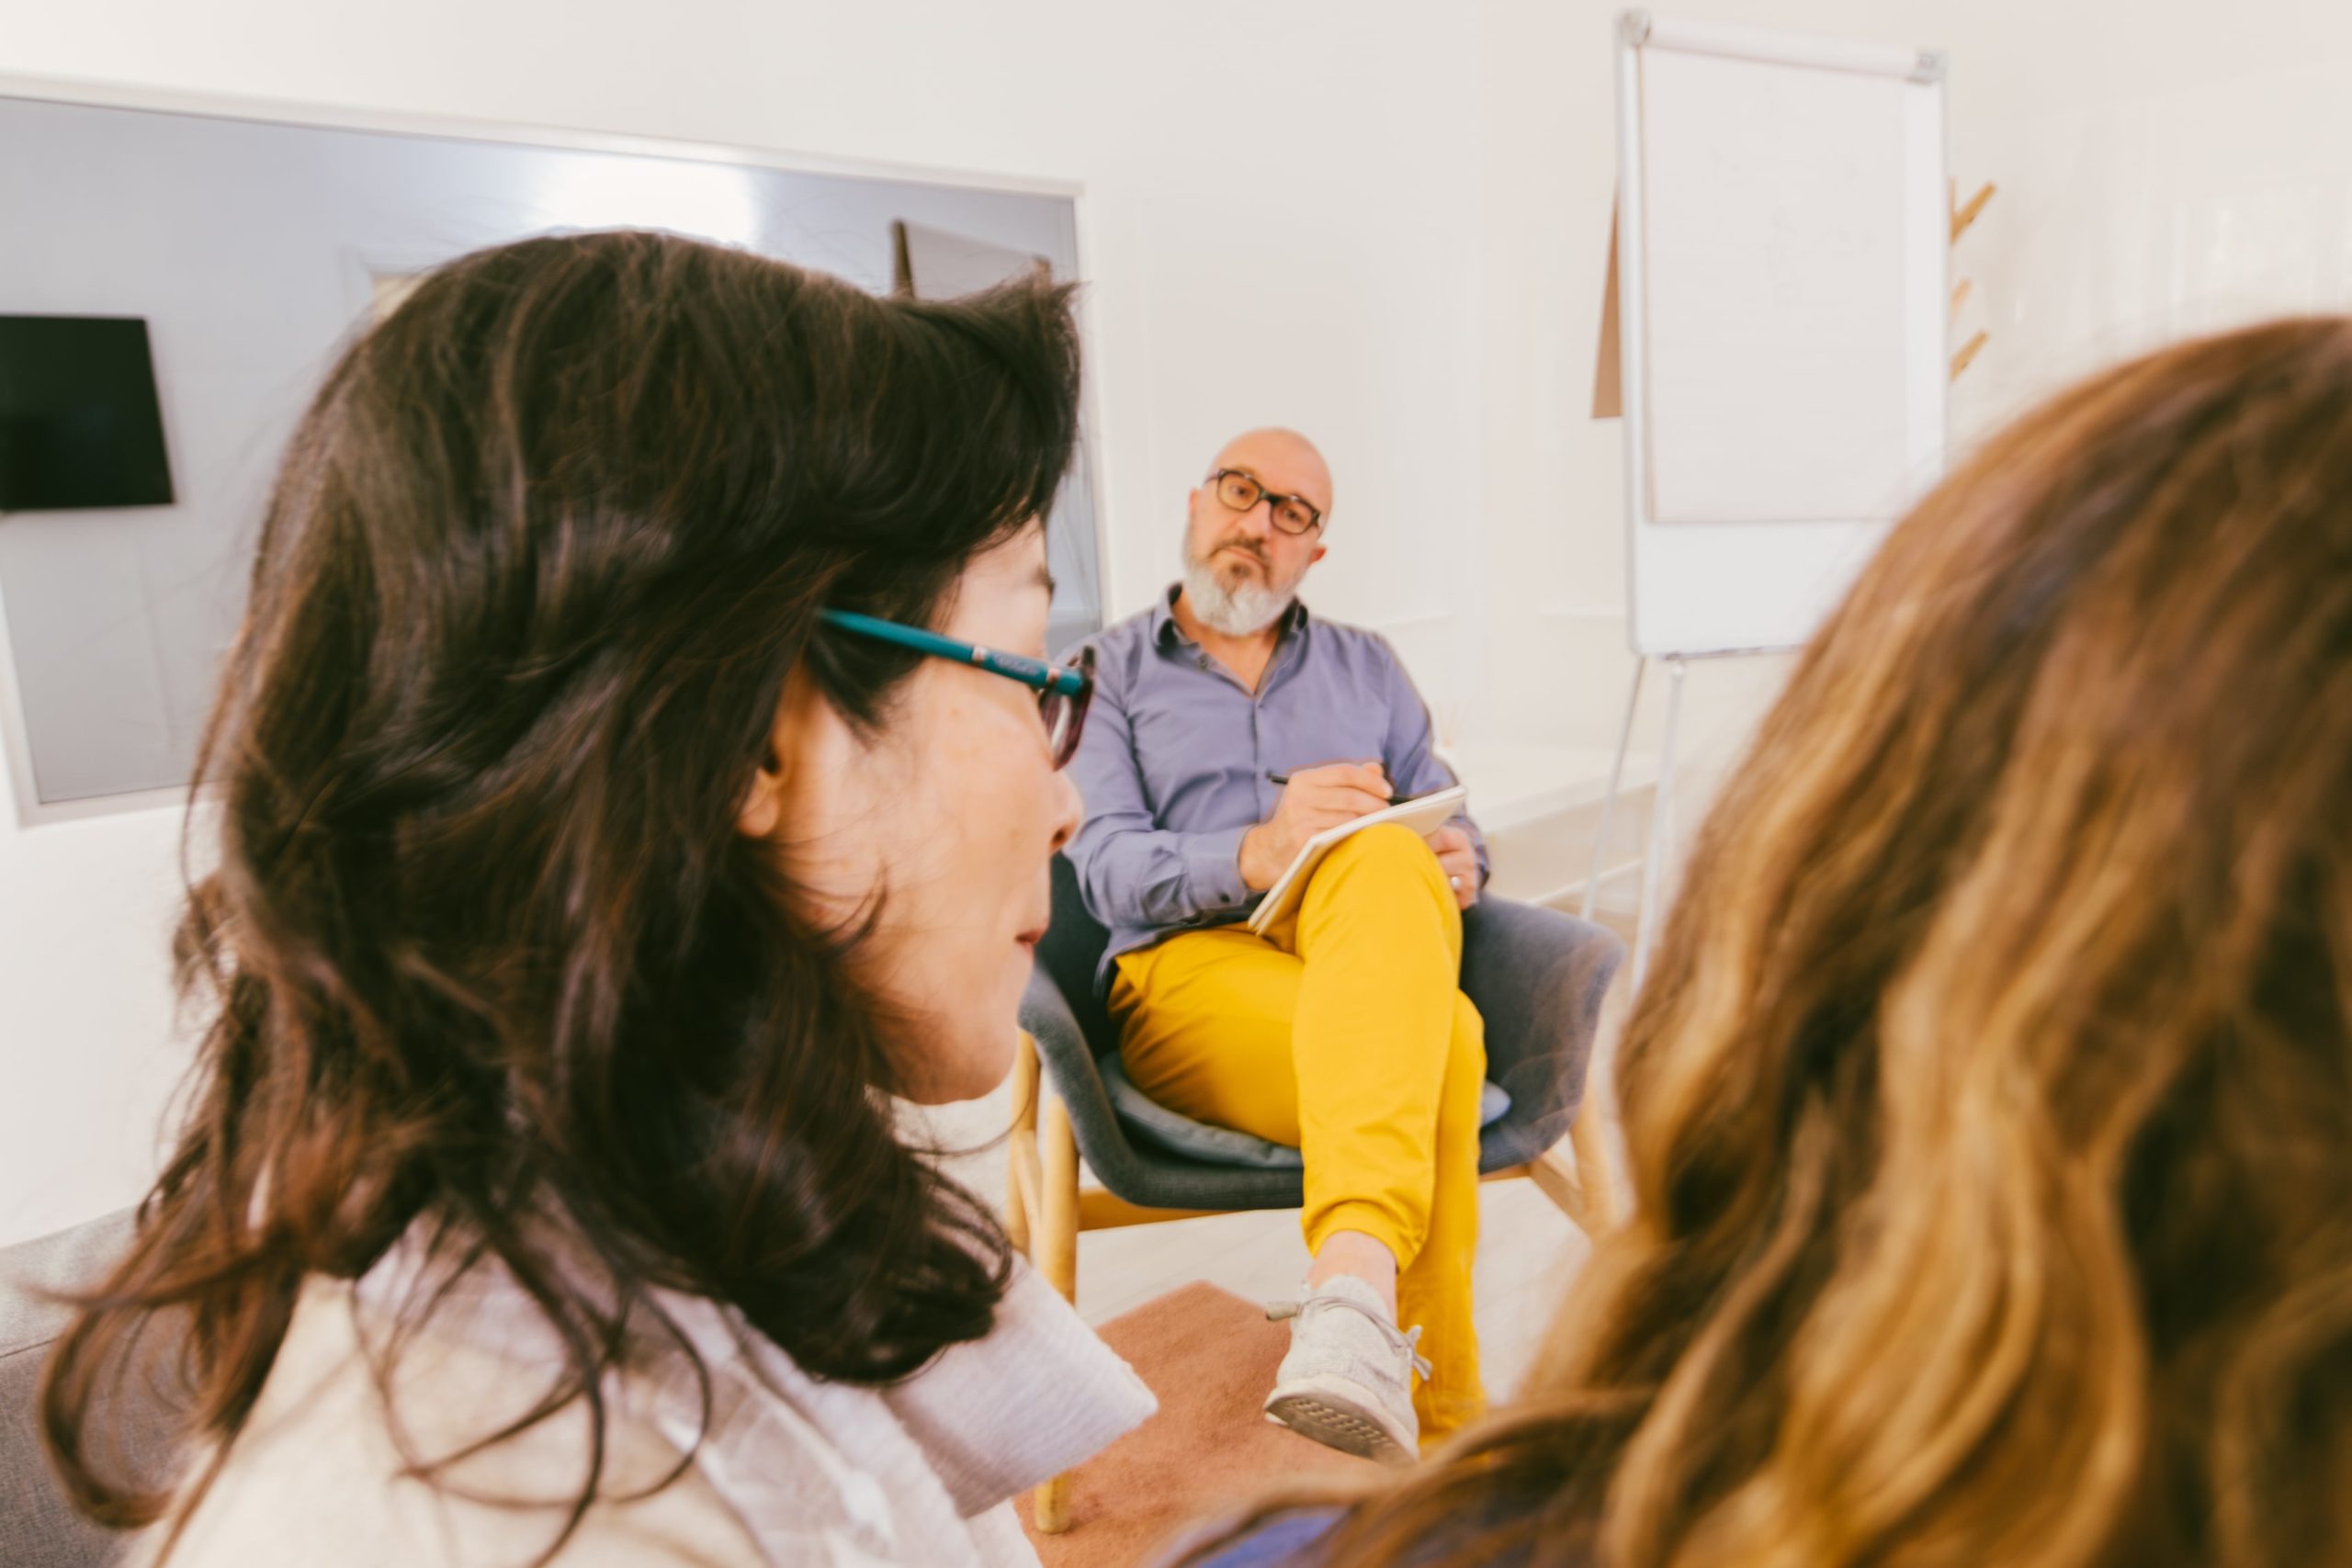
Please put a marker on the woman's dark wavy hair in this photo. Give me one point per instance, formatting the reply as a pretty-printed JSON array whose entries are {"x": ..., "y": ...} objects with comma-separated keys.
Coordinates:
[{"x": 485, "y": 945}]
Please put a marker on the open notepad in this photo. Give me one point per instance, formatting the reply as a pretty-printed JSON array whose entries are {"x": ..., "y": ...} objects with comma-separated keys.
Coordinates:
[{"x": 1424, "y": 813}]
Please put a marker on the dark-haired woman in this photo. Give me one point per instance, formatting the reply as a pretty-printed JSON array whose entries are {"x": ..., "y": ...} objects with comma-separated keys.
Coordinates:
[
  {"x": 1990, "y": 1107},
  {"x": 601, "y": 845}
]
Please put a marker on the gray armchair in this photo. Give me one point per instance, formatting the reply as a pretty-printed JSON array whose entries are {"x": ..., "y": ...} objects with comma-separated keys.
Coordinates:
[
  {"x": 1536, "y": 975},
  {"x": 39, "y": 1529}
]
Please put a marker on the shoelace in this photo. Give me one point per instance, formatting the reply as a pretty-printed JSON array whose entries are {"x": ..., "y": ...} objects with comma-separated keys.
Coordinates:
[{"x": 1406, "y": 1339}]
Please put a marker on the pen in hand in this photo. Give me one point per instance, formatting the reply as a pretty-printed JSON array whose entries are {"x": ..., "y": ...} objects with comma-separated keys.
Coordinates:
[{"x": 1281, "y": 780}]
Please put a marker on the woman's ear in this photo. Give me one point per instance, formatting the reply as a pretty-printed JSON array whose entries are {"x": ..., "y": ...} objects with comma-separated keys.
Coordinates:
[
  {"x": 763, "y": 811},
  {"x": 762, "y": 808}
]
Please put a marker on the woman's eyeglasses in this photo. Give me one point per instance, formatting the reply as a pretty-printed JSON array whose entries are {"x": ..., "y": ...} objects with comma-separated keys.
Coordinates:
[
  {"x": 1240, "y": 492},
  {"x": 1063, "y": 692}
]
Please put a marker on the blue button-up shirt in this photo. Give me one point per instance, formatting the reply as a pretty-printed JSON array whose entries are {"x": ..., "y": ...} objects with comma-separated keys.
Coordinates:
[{"x": 1175, "y": 759}]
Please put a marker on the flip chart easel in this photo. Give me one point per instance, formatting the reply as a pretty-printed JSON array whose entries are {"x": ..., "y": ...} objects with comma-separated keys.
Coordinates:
[{"x": 1776, "y": 336}]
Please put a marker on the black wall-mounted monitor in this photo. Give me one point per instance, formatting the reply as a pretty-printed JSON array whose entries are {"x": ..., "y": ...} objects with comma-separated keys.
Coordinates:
[{"x": 80, "y": 426}]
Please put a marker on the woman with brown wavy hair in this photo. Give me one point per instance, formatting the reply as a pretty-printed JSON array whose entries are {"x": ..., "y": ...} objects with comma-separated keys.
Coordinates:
[
  {"x": 598, "y": 851},
  {"x": 1990, "y": 1107}
]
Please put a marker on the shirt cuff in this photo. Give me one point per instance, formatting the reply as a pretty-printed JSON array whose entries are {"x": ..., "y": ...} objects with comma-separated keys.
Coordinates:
[{"x": 1213, "y": 866}]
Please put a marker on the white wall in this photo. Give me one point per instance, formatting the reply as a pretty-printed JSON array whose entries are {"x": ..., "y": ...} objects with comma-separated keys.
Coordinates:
[
  {"x": 2164, "y": 165},
  {"x": 251, "y": 251},
  {"x": 1382, "y": 222},
  {"x": 87, "y": 1053},
  {"x": 1281, "y": 217}
]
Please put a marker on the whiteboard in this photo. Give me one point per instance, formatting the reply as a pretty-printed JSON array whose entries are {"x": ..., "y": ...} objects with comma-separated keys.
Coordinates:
[
  {"x": 937, "y": 264},
  {"x": 253, "y": 246},
  {"x": 1781, "y": 279}
]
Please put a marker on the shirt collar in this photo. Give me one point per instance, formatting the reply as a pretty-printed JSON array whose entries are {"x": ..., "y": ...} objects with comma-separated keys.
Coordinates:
[{"x": 1165, "y": 633}]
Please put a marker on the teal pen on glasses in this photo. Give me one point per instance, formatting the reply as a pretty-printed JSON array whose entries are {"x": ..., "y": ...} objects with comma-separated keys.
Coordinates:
[{"x": 1033, "y": 671}]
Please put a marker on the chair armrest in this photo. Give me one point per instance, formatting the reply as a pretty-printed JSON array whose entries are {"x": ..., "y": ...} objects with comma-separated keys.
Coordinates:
[
  {"x": 1537, "y": 977},
  {"x": 1141, "y": 1175},
  {"x": 140, "y": 1410},
  {"x": 1068, "y": 1058}
]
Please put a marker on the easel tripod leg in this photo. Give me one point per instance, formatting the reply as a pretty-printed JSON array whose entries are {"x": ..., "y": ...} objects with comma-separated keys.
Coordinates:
[
  {"x": 1661, "y": 849},
  {"x": 1616, "y": 783}
]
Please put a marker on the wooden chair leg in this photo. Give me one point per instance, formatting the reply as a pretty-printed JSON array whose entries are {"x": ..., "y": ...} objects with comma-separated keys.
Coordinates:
[
  {"x": 1019, "y": 1145},
  {"x": 1025, "y": 1079},
  {"x": 1056, "y": 1254},
  {"x": 1574, "y": 1173},
  {"x": 1594, "y": 1172},
  {"x": 1016, "y": 1213},
  {"x": 1555, "y": 1173}
]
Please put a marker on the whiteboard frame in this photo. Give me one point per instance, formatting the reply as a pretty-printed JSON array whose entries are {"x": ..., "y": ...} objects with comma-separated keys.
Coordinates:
[
  {"x": 1853, "y": 540},
  {"x": 16, "y": 741}
]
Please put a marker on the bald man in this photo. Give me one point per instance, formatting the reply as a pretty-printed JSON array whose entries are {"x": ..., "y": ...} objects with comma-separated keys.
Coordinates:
[{"x": 1342, "y": 1032}]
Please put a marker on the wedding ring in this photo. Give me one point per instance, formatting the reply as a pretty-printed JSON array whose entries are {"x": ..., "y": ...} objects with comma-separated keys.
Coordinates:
[{"x": 1454, "y": 883}]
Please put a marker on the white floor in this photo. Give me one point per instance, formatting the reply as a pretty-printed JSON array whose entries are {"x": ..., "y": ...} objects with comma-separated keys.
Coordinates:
[{"x": 1527, "y": 1254}]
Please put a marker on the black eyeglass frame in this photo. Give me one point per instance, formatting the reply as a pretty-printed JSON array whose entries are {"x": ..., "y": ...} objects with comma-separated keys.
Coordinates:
[{"x": 1274, "y": 502}]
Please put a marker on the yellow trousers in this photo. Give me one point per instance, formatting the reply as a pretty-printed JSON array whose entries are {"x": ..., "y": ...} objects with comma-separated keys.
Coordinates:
[{"x": 1343, "y": 1033}]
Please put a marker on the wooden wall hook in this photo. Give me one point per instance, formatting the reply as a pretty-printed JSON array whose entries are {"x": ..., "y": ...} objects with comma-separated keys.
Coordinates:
[
  {"x": 1967, "y": 353},
  {"x": 1963, "y": 216}
]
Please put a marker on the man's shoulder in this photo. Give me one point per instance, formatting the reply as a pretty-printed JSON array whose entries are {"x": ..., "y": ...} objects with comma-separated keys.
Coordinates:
[
  {"x": 1122, "y": 650},
  {"x": 1121, "y": 638},
  {"x": 1359, "y": 646},
  {"x": 1354, "y": 637}
]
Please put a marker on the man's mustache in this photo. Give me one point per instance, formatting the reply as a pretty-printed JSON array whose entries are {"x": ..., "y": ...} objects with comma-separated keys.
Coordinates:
[{"x": 1249, "y": 546}]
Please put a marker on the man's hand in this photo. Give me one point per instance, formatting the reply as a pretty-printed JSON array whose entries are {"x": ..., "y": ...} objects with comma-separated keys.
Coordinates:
[
  {"x": 1458, "y": 858},
  {"x": 1316, "y": 798}
]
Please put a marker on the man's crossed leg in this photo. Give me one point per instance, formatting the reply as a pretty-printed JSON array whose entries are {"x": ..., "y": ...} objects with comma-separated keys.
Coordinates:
[{"x": 1343, "y": 1033}]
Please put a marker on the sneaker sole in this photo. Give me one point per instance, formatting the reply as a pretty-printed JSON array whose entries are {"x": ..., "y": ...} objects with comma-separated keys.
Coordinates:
[{"x": 1337, "y": 1423}]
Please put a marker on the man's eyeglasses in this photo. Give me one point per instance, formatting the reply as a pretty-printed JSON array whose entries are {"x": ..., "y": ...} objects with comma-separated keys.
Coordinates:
[
  {"x": 1291, "y": 513},
  {"x": 1063, "y": 694}
]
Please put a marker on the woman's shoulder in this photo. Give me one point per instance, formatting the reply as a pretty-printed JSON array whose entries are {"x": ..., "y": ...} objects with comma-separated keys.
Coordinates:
[
  {"x": 1286, "y": 1540},
  {"x": 716, "y": 1449},
  {"x": 1301, "y": 1538},
  {"x": 324, "y": 1458}
]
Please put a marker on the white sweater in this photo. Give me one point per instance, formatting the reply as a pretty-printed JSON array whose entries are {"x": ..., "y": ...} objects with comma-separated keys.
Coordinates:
[{"x": 791, "y": 1471}]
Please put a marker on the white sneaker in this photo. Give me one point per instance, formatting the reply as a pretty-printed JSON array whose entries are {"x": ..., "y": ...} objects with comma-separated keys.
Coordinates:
[{"x": 1348, "y": 1380}]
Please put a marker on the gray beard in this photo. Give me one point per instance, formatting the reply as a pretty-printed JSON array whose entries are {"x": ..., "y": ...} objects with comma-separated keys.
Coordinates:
[{"x": 1242, "y": 610}]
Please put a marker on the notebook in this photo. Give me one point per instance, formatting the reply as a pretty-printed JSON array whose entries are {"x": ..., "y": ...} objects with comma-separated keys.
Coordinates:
[{"x": 1424, "y": 813}]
